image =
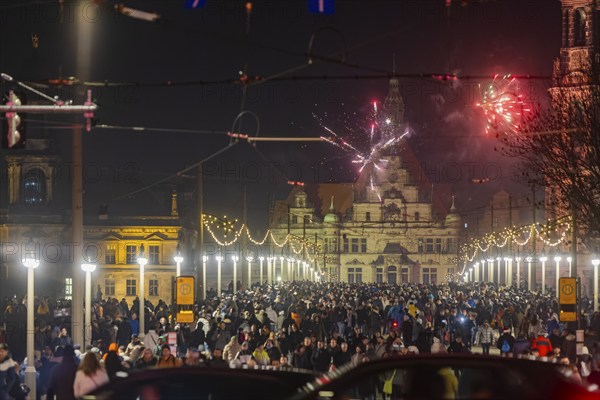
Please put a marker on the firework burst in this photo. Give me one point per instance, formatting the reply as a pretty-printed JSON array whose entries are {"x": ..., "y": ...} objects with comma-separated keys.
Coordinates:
[
  {"x": 382, "y": 136},
  {"x": 502, "y": 105}
]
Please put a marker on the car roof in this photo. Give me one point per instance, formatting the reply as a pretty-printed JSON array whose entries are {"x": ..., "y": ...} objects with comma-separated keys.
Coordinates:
[
  {"x": 278, "y": 381},
  {"x": 536, "y": 371}
]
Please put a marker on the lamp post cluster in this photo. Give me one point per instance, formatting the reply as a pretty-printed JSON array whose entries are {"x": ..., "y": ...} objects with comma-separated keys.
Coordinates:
[
  {"x": 499, "y": 268},
  {"x": 277, "y": 269}
]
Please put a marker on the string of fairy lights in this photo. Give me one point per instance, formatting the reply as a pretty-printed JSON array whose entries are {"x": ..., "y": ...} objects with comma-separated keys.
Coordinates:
[
  {"x": 231, "y": 235},
  {"x": 551, "y": 234}
]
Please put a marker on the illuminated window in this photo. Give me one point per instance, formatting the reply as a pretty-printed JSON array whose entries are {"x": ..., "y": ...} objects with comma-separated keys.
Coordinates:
[
  {"x": 131, "y": 287},
  {"x": 354, "y": 275},
  {"x": 355, "y": 245},
  {"x": 109, "y": 286},
  {"x": 153, "y": 255},
  {"x": 438, "y": 246},
  {"x": 429, "y": 245},
  {"x": 404, "y": 275},
  {"x": 34, "y": 187},
  {"x": 68, "y": 288},
  {"x": 429, "y": 275},
  {"x": 153, "y": 287},
  {"x": 131, "y": 252},
  {"x": 110, "y": 255}
]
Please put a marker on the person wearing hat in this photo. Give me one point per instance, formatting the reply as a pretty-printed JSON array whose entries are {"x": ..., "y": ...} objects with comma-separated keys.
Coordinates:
[
  {"x": 132, "y": 352},
  {"x": 62, "y": 377},
  {"x": 8, "y": 374},
  {"x": 585, "y": 362}
]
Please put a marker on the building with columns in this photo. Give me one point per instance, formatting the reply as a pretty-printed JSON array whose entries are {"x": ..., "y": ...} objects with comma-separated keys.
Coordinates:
[
  {"x": 391, "y": 228},
  {"x": 34, "y": 221}
]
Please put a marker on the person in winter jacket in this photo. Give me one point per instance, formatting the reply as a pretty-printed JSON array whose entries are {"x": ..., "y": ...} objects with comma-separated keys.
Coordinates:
[
  {"x": 586, "y": 363},
  {"x": 320, "y": 357},
  {"x": 506, "y": 342},
  {"x": 231, "y": 349},
  {"x": 542, "y": 345},
  {"x": 8, "y": 375},
  {"x": 62, "y": 377},
  {"x": 521, "y": 345}
]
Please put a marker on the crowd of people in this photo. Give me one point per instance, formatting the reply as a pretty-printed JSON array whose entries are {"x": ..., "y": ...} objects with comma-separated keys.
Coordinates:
[{"x": 306, "y": 325}]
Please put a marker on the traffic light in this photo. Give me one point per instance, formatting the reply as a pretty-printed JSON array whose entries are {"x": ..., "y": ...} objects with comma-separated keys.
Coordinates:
[{"x": 13, "y": 129}]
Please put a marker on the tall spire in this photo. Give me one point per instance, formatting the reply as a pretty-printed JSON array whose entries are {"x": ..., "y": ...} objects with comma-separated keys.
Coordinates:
[{"x": 393, "y": 104}]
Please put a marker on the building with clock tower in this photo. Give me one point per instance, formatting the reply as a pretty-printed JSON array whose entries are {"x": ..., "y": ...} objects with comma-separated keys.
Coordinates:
[{"x": 392, "y": 229}]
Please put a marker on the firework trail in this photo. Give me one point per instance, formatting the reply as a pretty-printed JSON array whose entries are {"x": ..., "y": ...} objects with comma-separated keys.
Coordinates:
[{"x": 382, "y": 136}]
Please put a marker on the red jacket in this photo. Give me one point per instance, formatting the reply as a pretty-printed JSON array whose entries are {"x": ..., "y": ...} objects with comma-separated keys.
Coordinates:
[{"x": 543, "y": 345}]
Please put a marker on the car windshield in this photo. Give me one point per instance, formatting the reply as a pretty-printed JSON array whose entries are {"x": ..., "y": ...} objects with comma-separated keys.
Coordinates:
[{"x": 435, "y": 382}]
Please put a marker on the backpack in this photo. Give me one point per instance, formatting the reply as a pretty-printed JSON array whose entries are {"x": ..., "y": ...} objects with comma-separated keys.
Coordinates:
[{"x": 505, "y": 346}]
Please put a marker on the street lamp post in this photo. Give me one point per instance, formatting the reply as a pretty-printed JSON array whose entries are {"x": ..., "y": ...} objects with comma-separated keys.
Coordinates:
[
  {"x": 219, "y": 260},
  {"x": 508, "y": 280},
  {"x": 260, "y": 260},
  {"x": 483, "y": 271},
  {"x": 235, "y": 260},
  {"x": 304, "y": 270},
  {"x": 518, "y": 260},
  {"x": 497, "y": 281},
  {"x": 557, "y": 261},
  {"x": 204, "y": 260},
  {"x": 142, "y": 261},
  {"x": 178, "y": 259},
  {"x": 569, "y": 259},
  {"x": 249, "y": 259},
  {"x": 529, "y": 261},
  {"x": 30, "y": 372},
  {"x": 490, "y": 269},
  {"x": 543, "y": 259},
  {"x": 88, "y": 268},
  {"x": 595, "y": 263}
]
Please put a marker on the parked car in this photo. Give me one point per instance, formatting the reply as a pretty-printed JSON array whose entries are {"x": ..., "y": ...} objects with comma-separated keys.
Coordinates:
[
  {"x": 204, "y": 383},
  {"x": 443, "y": 376}
]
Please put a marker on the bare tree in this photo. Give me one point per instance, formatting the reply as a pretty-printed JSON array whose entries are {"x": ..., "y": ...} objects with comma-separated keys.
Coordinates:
[{"x": 560, "y": 149}]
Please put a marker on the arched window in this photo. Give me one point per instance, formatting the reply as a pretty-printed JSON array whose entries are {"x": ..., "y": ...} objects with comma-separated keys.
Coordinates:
[
  {"x": 34, "y": 187},
  {"x": 579, "y": 27}
]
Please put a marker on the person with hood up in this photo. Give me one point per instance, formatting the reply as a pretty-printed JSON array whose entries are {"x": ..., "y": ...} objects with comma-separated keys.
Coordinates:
[{"x": 231, "y": 349}]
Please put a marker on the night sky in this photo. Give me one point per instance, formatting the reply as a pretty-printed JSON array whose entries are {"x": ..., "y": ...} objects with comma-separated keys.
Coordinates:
[{"x": 214, "y": 43}]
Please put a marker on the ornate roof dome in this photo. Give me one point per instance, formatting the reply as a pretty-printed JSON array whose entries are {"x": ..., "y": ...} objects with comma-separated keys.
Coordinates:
[
  {"x": 453, "y": 218},
  {"x": 331, "y": 216}
]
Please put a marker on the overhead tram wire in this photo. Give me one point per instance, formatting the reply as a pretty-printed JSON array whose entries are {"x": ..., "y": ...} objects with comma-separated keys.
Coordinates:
[
  {"x": 434, "y": 77},
  {"x": 177, "y": 174}
]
